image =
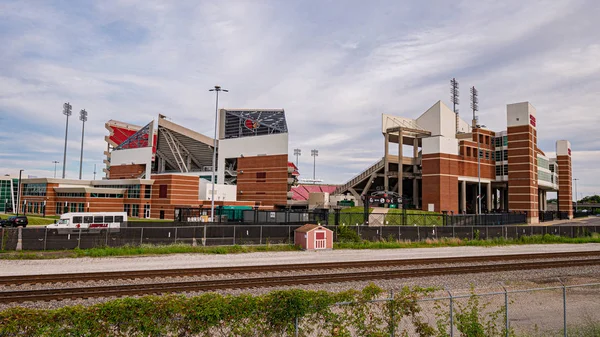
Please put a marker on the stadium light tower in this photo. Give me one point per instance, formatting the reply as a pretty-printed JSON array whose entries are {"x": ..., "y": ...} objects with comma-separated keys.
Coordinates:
[
  {"x": 83, "y": 118},
  {"x": 455, "y": 101},
  {"x": 475, "y": 107},
  {"x": 216, "y": 89},
  {"x": 55, "y": 162},
  {"x": 67, "y": 111},
  {"x": 297, "y": 152},
  {"x": 314, "y": 154}
]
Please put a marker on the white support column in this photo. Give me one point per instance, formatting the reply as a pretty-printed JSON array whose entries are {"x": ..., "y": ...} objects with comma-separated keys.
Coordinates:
[
  {"x": 400, "y": 157},
  {"x": 415, "y": 169}
]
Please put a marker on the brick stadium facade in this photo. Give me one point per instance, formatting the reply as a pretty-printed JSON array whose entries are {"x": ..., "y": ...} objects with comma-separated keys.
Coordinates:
[{"x": 442, "y": 173}]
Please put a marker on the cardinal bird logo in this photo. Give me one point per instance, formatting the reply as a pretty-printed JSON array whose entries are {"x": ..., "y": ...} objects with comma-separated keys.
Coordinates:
[{"x": 252, "y": 125}]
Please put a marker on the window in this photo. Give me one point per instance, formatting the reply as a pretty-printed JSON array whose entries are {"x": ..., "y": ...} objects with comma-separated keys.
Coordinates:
[
  {"x": 59, "y": 209},
  {"x": 162, "y": 192},
  {"x": 498, "y": 170},
  {"x": 493, "y": 155},
  {"x": 135, "y": 210},
  {"x": 481, "y": 154},
  {"x": 77, "y": 219},
  {"x": 146, "y": 211},
  {"x": 505, "y": 141},
  {"x": 71, "y": 195},
  {"x": 88, "y": 219},
  {"x": 106, "y": 195},
  {"x": 118, "y": 218},
  {"x": 133, "y": 192},
  {"x": 34, "y": 190},
  {"x": 505, "y": 153},
  {"x": 98, "y": 218},
  {"x": 147, "y": 191},
  {"x": 468, "y": 152},
  {"x": 126, "y": 209},
  {"x": 73, "y": 207},
  {"x": 487, "y": 155},
  {"x": 109, "y": 218},
  {"x": 81, "y": 207},
  {"x": 487, "y": 140},
  {"x": 506, "y": 170},
  {"x": 552, "y": 168},
  {"x": 498, "y": 141},
  {"x": 261, "y": 177},
  {"x": 498, "y": 155}
]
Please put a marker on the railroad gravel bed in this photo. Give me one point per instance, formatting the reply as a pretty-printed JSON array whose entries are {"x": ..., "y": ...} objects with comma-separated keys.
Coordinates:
[{"x": 458, "y": 283}]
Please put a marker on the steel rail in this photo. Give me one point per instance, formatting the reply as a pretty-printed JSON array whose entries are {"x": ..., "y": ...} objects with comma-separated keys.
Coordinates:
[
  {"x": 275, "y": 281},
  {"x": 161, "y": 273}
]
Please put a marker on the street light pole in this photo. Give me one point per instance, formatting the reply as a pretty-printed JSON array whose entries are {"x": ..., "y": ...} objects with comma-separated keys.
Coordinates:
[
  {"x": 216, "y": 89},
  {"x": 55, "y": 162},
  {"x": 19, "y": 192},
  {"x": 314, "y": 154},
  {"x": 575, "y": 179},
  {"x": 67, "y": 111},
  {"x": 82, "y": 117}
]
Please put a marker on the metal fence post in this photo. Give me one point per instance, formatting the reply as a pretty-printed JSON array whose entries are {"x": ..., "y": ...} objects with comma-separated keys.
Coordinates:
[
  {"x": 296, "y": 328},
  {"x": 142, "y": 236},
  {"x": 2, "y": 240},
  {"x": 106, "y": 239},
  {"x": 451, "y": 313},
  {"x": 564, "y": 306},
  {"x": 79, "y": 239},
  {"x": 45, "y": 237},
  {"x": 392, "y": 311},
  {"x": 418, "y": 233},
  {"x": 234, "y": 234},
  {"x": 175, "y": 241},
  {"x": 260, "y": 239},
  {"x": 507, "y": 326},
  {"x": 290, "y": 234}
]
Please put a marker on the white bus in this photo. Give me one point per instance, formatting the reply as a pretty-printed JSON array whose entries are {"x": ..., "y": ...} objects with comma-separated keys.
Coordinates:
[{"x": 88, "y": 222}]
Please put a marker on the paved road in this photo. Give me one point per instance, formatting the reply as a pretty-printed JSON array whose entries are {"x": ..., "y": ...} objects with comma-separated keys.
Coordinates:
[{"x": 589, "y": 221}]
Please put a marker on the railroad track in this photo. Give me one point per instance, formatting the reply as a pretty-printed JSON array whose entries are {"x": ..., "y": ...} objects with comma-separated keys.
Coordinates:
[
  {"x": 162, "y": 273},
  {"x": 274, "y": 281}
]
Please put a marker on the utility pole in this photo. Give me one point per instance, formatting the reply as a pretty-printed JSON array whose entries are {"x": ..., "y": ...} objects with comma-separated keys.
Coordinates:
[
  {"x": 67, "y": 111},
  {"x": 575, "y": 179},
  {"x": 82, "y": 117},
  {"x": 455, "y": 101}
]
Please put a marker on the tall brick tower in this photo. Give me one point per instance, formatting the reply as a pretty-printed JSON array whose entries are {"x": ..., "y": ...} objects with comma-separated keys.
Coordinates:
[
  {"x": 522, "y": 160},
  {"x": 565, "y": 178}
]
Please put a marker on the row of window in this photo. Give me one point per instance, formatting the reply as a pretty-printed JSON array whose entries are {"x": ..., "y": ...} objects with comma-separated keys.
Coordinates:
[
  {"x": 97, "y": 219},
  {"x": 133, "y": 191},
  {"x": 33, "y": 207},
  {"x": 483, "y": 154},
  {"x": 132, "y": 209},
  {"x": 70, "y": 195},
  {"x": 543, "y": 163},
  {"x": 106, "y": 195},
  {"x": 542, "y": 175},
  {"x": 66, "y": 207},
  {"x": 37, "y": 190}
]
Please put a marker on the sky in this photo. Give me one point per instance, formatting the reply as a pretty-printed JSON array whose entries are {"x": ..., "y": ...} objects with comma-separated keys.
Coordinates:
[{"x": 334, "y": 65}]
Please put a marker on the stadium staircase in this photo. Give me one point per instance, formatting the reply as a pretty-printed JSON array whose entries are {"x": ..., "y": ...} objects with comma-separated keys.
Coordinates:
[{"x": 366, "y": 173}]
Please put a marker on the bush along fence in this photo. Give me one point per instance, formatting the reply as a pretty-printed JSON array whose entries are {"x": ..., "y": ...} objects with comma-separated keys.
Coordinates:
[
  {"x": 423, "y": 312},
  {"x": 242, "y": 234}
]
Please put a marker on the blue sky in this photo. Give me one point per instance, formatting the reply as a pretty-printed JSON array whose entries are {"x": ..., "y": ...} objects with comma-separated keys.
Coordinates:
[{"x": 334, "y": 66}]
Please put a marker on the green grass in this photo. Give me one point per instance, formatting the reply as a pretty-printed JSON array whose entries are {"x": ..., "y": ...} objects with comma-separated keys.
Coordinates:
[
  {"x": 34, "y": 220},
  {"x": 145, "y": 250},
  {"x": 414, "y": 217},
  {"x": 455, "y": 242},
  {"x": 239, "y": 249}
]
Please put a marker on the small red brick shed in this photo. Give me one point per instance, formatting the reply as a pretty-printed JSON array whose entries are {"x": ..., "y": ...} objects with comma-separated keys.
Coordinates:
[{"x": 313, "y": 237}]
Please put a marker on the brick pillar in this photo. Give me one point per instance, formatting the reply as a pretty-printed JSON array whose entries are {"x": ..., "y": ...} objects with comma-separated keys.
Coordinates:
[
  {"x": 440, "y": 174},
  {"x": 522, "y": 160},
  {"x": 565, "y": 178}
]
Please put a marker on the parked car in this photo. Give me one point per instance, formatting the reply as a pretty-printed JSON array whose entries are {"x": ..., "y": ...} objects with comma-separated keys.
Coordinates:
[{"x": 15, "y": 221}]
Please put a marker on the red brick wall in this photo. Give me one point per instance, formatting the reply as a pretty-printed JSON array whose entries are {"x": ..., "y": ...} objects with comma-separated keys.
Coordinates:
[
  {"x": 272, "y": 189},
  {"x": 440, "y": 182},
  {"x": 565, "y": 179},
  {"x": 126, "y": 171},
  {"x": 522, "y": 171}
]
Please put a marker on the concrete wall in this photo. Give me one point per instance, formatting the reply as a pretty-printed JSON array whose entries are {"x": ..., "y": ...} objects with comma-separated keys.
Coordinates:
[
  {"x": 222, "y": 192},
  {"x": 439, "y": 119},
  {"x": 276, "y": 144},
  {"x": 133, "y": 156},
  {"x": 440, "y": 144}
]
